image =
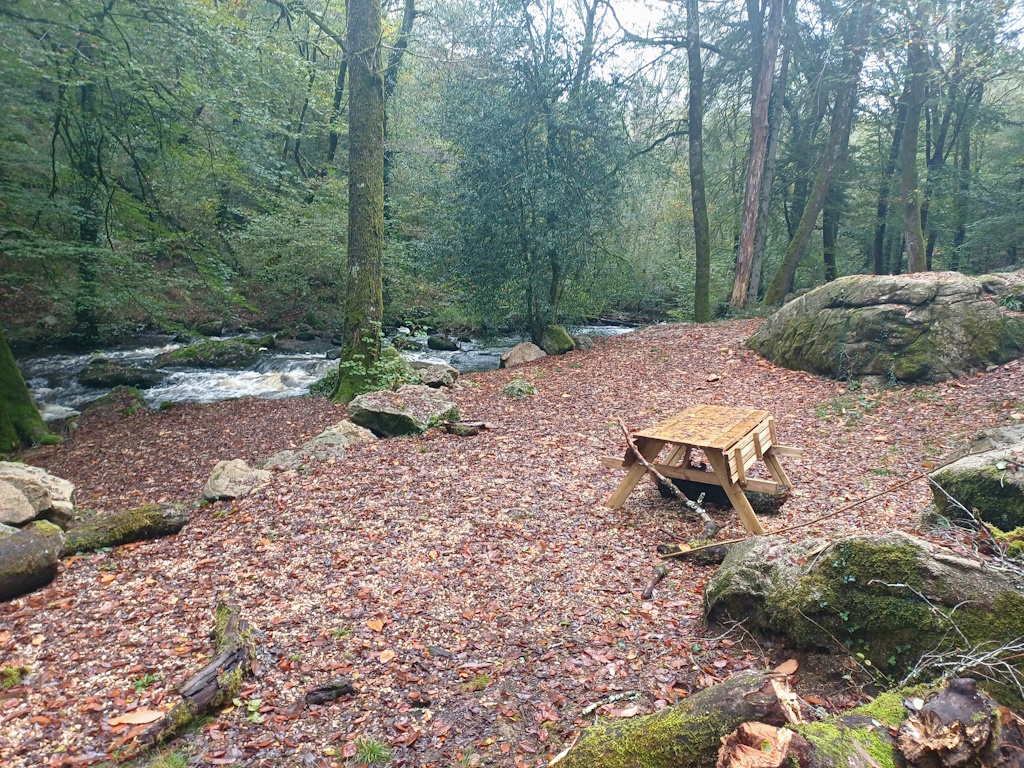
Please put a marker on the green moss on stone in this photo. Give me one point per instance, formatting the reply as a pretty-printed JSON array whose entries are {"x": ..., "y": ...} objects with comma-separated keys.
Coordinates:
[{"x": 834, "y": 741}]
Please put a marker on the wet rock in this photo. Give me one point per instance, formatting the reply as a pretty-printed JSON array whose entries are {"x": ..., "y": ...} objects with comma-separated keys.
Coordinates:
[
  {"x": 521, "y": 354},
  {"x": 233, "y": 479},
  {"x": 442, "y": 343},
  {"x": 102, "y": 373},
  {"x": 411, "y": 410},
  {"x": 211, "y": 353}
]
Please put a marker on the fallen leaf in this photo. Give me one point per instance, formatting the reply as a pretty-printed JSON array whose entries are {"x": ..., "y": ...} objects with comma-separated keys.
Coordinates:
[
  {"x": 386, "y": 656},
  {"x": 375, "y": 624},
  {"x": 787, "y": 667},
  {"x": 137, "y": 717}
]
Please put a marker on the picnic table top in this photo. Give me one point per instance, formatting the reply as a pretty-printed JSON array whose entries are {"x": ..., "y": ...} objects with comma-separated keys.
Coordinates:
[{"x": 707, "y": 426}]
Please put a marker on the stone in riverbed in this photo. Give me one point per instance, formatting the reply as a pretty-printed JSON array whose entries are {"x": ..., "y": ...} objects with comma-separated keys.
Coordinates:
[
  {"x": 438, "y": 375},
  {"x": 442, "y": 343},
  {"x": 233, "y": 479},
  {"x": 556, "y": 340},
  {"x": 411, "y": 410},
  {"x": 102, "y": 373},
  {"x": 521, "y": 354}
]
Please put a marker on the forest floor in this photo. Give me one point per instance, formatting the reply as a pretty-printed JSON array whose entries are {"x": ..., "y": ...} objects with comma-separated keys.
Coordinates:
[{"x": 481, "y": 577}]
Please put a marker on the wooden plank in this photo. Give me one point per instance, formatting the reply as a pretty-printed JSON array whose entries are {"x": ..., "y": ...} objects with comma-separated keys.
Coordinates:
[
  {"x": 735, "y": 494},
  {"x": 696, "y": 475},
  {"x": 786, "y": 450},
  {"x": 741, "y": 476},
  {"x": 779, "y": 473},
  {"x": 706, "y": 426},
  {"x": 674, "y": 454},
  {"x": 630, "y": 457},
  {"x": 758, "y": 451},
  {"x": 635, "y": 474}
]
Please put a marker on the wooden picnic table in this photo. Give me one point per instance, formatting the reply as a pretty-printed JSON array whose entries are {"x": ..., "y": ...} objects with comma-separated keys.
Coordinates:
[{"x": 732, "y": 439}]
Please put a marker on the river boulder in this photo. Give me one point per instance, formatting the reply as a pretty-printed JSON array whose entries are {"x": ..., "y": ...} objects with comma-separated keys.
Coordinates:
[
  {"x": 922, "y": 327},
  {"x": 215, "y": 353},
  {"x": 438, "y": 375},
  {"x": 887, "y": 597},
  {"x": 103, "y": 373},
  {"x": 521, "y": 354},
  {"x": 442, "y": 343},
  {"x": 233, "y": 479},
  {"x": 556, "y": 340},
  {"x": 411, "y": 410},
  {"x": 28, "y": 559}
]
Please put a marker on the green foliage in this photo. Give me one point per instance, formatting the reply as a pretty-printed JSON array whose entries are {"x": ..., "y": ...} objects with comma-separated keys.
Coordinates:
[
  {"x": 519, "y": 388},
  {"x": 371, "y": 752},
  {"x": 12, "y": 675},
  {"x": 142, "y": 683}
]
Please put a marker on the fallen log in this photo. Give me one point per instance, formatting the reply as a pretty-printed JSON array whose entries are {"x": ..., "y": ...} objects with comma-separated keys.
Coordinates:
[
  {"x": 146, "y": 522},
  {"x": 216, "y": 684},
  {"x": 703, "y": 552},
  {"x": 28, "y": 559},
  {"x": 660, "y": 572},
  {"x": 333, "y": 690},
  {"x": 466, "y": 428},
  {"x": 686, "y": 734}
]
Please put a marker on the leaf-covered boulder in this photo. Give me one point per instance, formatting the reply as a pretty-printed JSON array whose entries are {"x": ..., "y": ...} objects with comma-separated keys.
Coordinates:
[
  {"x": 28, "y": 559},
  {"x": 103, "y": 373},
  {"x": 233, "y": 479},
  {"x": 556, "y": 340},
  {"x": 521, "y": 354},
  {"x": 331, "y": 443},
  {"x": 901, "y": 327},
  {"x": 215, "y": 353},
  {"x": 411, "y": 410},
  {"x": 888, "y": 597}
]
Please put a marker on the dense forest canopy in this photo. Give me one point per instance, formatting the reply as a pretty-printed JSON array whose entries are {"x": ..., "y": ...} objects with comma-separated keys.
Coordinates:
[{"x": 168, "y": 164}]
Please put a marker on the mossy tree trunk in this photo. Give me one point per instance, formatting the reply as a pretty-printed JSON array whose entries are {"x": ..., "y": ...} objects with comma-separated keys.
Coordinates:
[
  {"x": 20, "y": 422},
  {"x": 911, "y": 194},
  {"x": 147, "y": 522},
  {"x": 364, "y": 300}
]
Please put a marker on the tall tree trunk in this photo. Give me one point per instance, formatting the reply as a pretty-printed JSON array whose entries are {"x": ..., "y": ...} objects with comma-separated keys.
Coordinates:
[
  {"x": 962, "y": 200},
  {"x": 695, "y": 133},
  {"x": 832, "y": 209},
  {"x": 878, "y": 250},
  {"x": 911, "y": 194},
  {"x": 20, "y": 422},
  {"x": 390, "y": 84},
  {"x": 842, "y": 114},
  {"x": 364, "y": 296},
  {"x": 339, "y": 90},
  {"x": 758, "y": 151},
  {"x": 775, "y": 121}
]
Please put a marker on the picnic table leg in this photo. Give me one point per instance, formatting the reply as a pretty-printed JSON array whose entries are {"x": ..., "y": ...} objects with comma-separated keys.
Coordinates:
[
  {"x": 734, "y": 492},
  {"x": 775, "y": 469},
  {"x": 636, "y": 473}
]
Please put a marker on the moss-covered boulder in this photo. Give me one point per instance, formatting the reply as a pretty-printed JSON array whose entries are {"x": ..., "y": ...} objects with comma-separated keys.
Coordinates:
[
  {"x": 411, "y": 410},
  {"x": 103, "y": 373},
  {"x": 556, "y": 340},
  {"x": 990, "y": 484},
  {"x": 442, "y": 343},
  {"x": 28, "y": 559},
  {"x": 518, "y": 388},
  {"x": 889, "y": 597},
  {"x": 149, "y": 521},
  {"x": 904, "y": 328},
  {"x": 214, "y": 353}
]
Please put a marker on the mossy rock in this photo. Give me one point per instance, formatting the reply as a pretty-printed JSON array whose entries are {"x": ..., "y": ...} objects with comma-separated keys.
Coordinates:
[
  {"x": 556, "y": 340},
  {"x": 442, "y": 343},
  {"x": 411, "y": 410},
  {"x": 211, "y": 353},
  {"x": 103, "y": 373},
  {"x": 519, "y": 388},
  {"x": 903, "y": 328},
  {"x": 989, "y": 484},
  {"x": 886, "y": 597},
  {"x": 28, "y": 559},
  {"x": 149, "y": 521}
]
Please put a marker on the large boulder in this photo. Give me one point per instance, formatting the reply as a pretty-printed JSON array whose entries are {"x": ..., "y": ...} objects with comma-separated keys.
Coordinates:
[
  {"x": 521, "y": 354},
  {"x": 28, "y": 559},
  {"x": 48, "y": 495},
  {"x": 990, "y": 484},
  {"x": 442, "y": 343},
  {"x": 556, "y": 340},
  {"x": 329, "y": 444},
  {"x": 213, "y": 353},
  {"x": 14, "y": 507},
  {"x": 887, "y": 597},
  {"x": 102, "y": 373},
  {"x": 582, "y": 341},
  {"x": 904, "y": 328},
  {"x": 233, "y": 479},
  {"x": 411, "y": 410}
]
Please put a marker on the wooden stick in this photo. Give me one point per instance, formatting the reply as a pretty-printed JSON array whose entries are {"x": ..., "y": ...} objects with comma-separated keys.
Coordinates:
[
  {"x": 840, "y": 511},
  {"x": 710, "y": 527}
]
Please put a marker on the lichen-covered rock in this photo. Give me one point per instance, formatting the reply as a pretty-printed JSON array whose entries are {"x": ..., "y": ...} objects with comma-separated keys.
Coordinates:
[
  {"x": 556, "y": 340},
  {"x": 990, "y": 484},
  {"x": 6, "y": 531},
  {"x": 904, "y": 328},
  {"x": 14, "y": 507},
  {"x": 519, "y": 388},
  {"x": 146, "y": 522},
  {"x": 331, "y": 443},
  {"x": 101, "y": 373},
  {"x": 214, "y": 353},
  {"x": 884, "y": 596},
  {"x": 233, "y": 479},
  {"x": 438, "y": 375},
  {"x": 442, "y": 343},
  {"x": 521, "y": 354},
  {"x": 28, "y": 559},
  {"x": 411, "y": 410},
  {"x": 44, "y": 492},
  {"x": 582, "y": 341}
]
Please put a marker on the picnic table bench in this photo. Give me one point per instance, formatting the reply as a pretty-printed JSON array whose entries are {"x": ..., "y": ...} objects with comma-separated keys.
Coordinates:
[{"x": 732, "y": 439}]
